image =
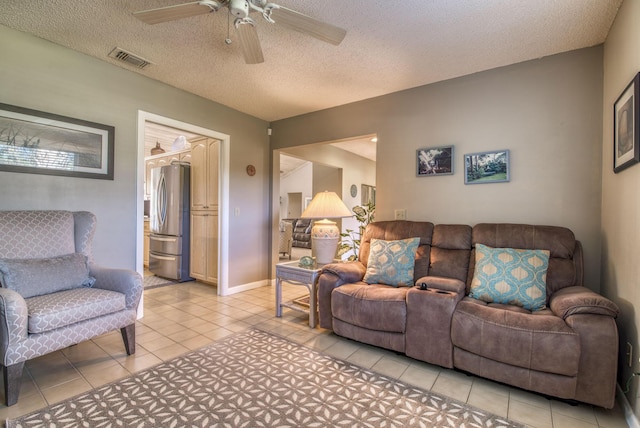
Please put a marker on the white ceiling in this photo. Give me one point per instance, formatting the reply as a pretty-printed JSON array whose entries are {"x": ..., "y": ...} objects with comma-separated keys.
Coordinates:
[
  {"x": 165, "y": 136},
  {"x": 364, "y": 146},
  {"x": 389, "y": 46}
]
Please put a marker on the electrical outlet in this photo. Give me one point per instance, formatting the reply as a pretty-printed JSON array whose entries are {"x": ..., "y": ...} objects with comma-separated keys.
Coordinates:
[
  {"x": 629, "y": 354},
  {"x": 400, "y": 214}
]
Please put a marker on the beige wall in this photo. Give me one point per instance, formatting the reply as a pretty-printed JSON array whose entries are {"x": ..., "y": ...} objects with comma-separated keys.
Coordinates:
[
  {"x": 43, "y": 76},
  {"x": 298, "y": 181},
  {"x": 621, "y": 194},
  {"x": 547, "y": 112}
]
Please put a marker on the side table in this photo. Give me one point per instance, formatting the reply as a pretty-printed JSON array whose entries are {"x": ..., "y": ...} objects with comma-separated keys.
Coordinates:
[{"x": 293, "y": 273}]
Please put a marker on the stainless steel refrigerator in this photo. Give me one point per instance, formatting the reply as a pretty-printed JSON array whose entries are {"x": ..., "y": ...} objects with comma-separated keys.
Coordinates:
[{"x": 169, "y": 222}]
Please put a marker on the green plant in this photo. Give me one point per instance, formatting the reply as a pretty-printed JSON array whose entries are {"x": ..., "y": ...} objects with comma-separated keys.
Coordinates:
[{"x": 351, "y": 238}]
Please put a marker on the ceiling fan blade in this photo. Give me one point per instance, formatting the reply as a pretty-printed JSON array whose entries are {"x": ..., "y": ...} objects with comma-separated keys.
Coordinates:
[
  {"x": 249, "y": 42},
  {"x": 305, "y": 24},
  {"x": 179, "y": 11}
]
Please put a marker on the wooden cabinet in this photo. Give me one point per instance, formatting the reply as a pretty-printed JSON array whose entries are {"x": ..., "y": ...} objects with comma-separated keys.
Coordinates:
[
  {"x": 185, "y": 156},
  {"x": 161, "y": 160},
  {"x": 204, "y": 209},
  {"x": 204, "y": 174},
  {"x": 145, "y": 256},
  {"x": 204, "y": 246}
]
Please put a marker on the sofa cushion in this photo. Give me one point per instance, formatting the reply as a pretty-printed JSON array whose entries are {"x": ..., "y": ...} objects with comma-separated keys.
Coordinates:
[
  {"x": 511, "y": 276},
  {"x": 400, "y": 229},
  {"x": 34, "y": 277},
  {"x": 391, "y": 262},
  {"x": 537, "y": 341},
  {"x": 565, "y": 262},
  {"x": 374, "y": 307},
  {"x": 450, "y": 250},
  {"x": 52, "y": 311}
]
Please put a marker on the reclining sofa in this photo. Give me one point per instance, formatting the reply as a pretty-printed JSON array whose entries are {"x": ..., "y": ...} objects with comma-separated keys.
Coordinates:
[
  {"x": 52, "y": 294},
  {"x": 455, "y": 314}
]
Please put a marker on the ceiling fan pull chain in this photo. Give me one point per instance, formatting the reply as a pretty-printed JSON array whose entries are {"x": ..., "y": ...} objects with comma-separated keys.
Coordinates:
[{"x": 228, "y": 40}]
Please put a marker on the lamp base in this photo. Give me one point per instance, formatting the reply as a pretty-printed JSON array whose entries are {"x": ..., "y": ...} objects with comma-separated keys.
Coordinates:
[{"x": 325, "y": 237}]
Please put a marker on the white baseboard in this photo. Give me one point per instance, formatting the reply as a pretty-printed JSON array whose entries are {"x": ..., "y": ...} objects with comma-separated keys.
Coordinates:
[
  {"x": 629, "y": 416},
  {"x": 246, "y": 287}
]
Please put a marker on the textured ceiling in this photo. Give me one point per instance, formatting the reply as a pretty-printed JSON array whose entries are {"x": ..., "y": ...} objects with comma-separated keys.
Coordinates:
[{"x": 390, "y": 45}]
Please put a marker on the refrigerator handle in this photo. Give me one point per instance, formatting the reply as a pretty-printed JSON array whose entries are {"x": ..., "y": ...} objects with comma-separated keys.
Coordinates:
[
  {"x": 162, "y": 200},
  {"x": 156, "y": 238},
  {"x": 168, "y": 258}
]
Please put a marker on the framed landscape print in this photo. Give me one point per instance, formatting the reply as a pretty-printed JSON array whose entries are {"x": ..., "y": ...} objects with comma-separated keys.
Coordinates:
[
  {"x": 626, "y": 119},
  {"x": 487, "y": 167},
  {"x": 434, "y": 161},
  {"x": 36, "y": 142}
]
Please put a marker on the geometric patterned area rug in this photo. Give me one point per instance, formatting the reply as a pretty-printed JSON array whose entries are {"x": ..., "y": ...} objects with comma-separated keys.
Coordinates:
[
  {"x": 257, "y": 379},
  {"x": 153, "y": 281}
]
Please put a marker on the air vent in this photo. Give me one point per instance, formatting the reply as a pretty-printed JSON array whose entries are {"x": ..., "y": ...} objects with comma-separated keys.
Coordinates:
[{"x": 129, "y": 58}]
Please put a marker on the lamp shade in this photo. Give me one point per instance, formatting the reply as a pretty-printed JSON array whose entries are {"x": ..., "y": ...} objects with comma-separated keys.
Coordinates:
[
  {"x": 325, "y": 235},
  {"x": 326, "y": 205}
]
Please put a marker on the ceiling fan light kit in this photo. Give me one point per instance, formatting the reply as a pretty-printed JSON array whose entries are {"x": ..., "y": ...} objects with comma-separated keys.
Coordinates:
[{"x": 244, "y": 25}]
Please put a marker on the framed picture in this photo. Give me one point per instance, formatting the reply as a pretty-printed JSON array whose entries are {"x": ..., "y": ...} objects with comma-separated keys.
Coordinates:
[
  {"x": 434, "y": 161},
  {"x": 36, "y": 142},
  {"x": 626, "y": 119},
  {"x": 487, "y": 167}
]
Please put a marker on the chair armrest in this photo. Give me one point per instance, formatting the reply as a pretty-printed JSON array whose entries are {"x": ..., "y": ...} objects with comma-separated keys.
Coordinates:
[
  {"x": 14, "y": 317},
  {"x": 125, "y": 281},
  {"x": 580, "y": 300},
  {"x": 442, "y": 283},
  {"x": 334, "y": 275}
]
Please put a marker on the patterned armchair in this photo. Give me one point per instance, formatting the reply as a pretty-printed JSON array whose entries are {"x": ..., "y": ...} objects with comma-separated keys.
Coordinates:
[
  {"x": 52, "y": 294},
  {"x": 286, "y": 238}
]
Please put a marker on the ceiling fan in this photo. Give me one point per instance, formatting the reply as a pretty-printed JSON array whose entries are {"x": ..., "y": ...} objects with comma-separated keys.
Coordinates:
[{"x": 245, "y": 26}]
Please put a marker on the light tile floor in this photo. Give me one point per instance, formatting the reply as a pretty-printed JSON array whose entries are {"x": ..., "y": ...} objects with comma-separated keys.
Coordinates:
[{"x": 187, "y": 316}]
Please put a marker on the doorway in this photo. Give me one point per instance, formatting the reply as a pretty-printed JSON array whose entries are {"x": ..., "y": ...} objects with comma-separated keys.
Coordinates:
[
  {"x": 294, "y": 205},
  {"x": 223, "y": 191},
  {"x": 353, "y": 159}
]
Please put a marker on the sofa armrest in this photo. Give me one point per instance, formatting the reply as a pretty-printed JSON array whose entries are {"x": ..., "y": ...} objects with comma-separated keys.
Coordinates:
[
  {"x": 334, "y": 275},
  {"x": 14, "y": 317},
  {"x": 346, "y": 272},
  {"x": 580, "y": 300},
  {"x": 442, "y": 283},
  {"x": 125, "y": 281}
]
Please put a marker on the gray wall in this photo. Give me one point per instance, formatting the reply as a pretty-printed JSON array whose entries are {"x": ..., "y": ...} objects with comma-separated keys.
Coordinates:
[
  {"x": 621, "y": 197},
  {"x": 43, "y": 76},
  {"x": 547, "y": 112}
]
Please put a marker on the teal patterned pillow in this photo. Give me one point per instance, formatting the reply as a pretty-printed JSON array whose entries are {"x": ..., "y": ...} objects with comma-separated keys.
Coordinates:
[
  {"x": 391, "y": 262},
  {"x": 511, "y": 276}
]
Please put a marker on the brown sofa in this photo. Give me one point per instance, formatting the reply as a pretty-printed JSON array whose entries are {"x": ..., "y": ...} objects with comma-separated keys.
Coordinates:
[{"x": 568, "y": 349}]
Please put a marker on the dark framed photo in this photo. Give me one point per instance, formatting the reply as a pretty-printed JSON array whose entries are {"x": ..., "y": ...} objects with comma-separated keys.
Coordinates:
[
  {"x": 36, "y": 142},
  {"x": 626, "y": 119},
  {"x": 487, "y": 167},
  {"x": 434, "y": 161}
]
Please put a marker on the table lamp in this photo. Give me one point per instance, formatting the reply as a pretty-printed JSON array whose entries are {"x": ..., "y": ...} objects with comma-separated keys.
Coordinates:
[{"x": 325, "y": 235}]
